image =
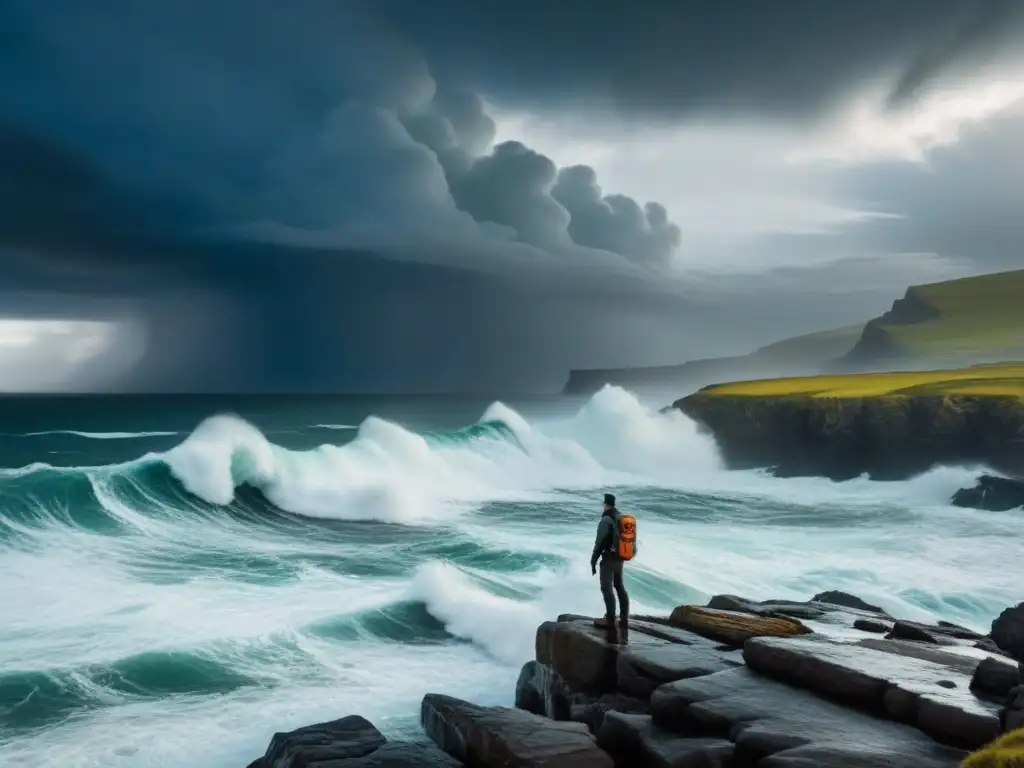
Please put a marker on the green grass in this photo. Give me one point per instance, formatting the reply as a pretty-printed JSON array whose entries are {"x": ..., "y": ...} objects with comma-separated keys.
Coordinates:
[
  {"x": 977, "y": 315},
  {"x": 1002, "y": 379}
]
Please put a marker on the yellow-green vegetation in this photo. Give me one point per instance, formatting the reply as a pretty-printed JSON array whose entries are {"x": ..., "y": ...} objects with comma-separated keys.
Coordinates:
[
  {"x": 733, "y": 628},
  {"x": 1005, "y": 379},
  {"x": 1005, "y": 752},
  {"x": 981, "y": 316}
]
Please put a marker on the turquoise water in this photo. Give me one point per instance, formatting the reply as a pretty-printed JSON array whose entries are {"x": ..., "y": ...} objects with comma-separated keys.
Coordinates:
[{"x": 177, "y": 583}]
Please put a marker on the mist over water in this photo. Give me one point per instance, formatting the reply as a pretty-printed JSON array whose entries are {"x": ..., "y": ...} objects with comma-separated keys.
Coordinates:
[{"x": 186, "y": 592}]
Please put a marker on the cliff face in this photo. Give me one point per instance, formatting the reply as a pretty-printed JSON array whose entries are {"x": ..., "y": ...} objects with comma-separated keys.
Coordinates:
[
  {"x": 876, "y": 345},
  {"x": 888, "y": 437}
]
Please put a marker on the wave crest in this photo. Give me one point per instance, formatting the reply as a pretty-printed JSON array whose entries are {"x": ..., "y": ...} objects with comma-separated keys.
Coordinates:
[{"x": 387, "y": 472}]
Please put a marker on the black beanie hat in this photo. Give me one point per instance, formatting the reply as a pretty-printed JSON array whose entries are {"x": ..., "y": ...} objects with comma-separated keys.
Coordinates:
[{"x": 609, "y": 499}]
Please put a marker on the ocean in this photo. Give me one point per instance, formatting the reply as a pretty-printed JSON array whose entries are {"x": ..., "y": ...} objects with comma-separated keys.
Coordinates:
[{"x": 182, "y": 576}]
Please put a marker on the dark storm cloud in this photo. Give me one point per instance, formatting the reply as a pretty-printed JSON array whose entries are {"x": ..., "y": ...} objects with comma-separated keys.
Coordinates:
[
  {"x": 309, "y": 118},
  {"x": 788, "y": 58},
  {"x": 146, "y": 149}
]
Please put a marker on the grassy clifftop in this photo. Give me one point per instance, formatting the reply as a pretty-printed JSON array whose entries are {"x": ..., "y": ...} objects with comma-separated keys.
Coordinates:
[
  {"x": 970, "y": 319},
  {"x": 996, "y": 379},
  {"x": 889, "y": 425}
]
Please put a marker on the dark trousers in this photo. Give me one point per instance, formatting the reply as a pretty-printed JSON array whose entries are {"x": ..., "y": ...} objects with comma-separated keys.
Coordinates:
[{"x": 611, "y": 579}]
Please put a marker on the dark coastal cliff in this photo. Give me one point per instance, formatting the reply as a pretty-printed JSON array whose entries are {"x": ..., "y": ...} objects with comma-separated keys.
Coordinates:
[{"x": 888, "y": 437}]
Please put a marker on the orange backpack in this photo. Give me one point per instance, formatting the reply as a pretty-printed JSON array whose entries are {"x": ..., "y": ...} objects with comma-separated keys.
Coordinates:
[{"x": 626, "y": 538}]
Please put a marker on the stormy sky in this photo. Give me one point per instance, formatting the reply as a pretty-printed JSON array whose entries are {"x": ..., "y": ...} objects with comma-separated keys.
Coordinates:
[{"x": 346, "y": 195}]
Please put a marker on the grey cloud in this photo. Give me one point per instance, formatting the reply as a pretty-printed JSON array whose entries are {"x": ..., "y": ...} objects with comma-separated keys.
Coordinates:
[
  {"x": 789, "y": 60},
  {"x": 965, "y": 202},
  {"x": 615, "y": 222},
  {"x": 512, "y": 186}
]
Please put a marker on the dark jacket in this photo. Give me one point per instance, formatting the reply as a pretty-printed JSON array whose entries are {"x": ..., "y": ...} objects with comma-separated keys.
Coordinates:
[{"x": 604, "y": 544}]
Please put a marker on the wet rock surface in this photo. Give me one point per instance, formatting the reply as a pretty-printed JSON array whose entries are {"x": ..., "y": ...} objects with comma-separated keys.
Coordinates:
[
  {"x": 992, "y": 493},
  {"x": 510, "y": 738},
  {"x": 846, "y": 600},
  {"x": 1012, "y": 715},
  {"x": 769, "y": 719},
  {"x": 995, "y": 678},
  {"x": 1008, "y": 631},
  {"x": 870, "y": 625},
  {"x": 898, "y": 685},
  {"x": 733, "y": 627},
  {"x": 637, "y": 741},
  {"x": 351, "y": 742}
]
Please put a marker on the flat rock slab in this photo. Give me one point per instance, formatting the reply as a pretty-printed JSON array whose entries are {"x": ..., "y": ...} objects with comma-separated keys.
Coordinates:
[
  {"x": 583, "y": 660},
  {"x": 635, "y": 741},
  {"x": 657, "y": 655},
  {"x": 932, "y": 694},
  {"x": 733, "y": 627},
  {"x": 507, "y": 738},
  {"x": 774, "y": 724}
]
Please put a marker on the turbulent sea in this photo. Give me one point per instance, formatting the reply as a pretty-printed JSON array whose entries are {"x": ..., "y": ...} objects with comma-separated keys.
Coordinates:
[{"x": 181, "y": 577}]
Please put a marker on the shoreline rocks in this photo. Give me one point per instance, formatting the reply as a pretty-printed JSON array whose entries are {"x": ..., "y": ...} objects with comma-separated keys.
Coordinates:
[
  {"x": 737, "y": 683},
  {"x": 991, "y": 493}
]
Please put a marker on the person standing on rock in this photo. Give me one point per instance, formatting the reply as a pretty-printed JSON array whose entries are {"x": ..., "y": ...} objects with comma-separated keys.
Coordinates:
[{"x": 614, "y": 545}]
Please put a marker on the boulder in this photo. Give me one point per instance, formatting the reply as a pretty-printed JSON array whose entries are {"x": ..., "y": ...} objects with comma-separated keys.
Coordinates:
[
  {"x": 918, "y": 685},
  {"x": 907, "y": 630},
  {"x": 731, "y": 627},
  {"x": 870, "y": 625},
  {"x": 349, "y": 737},
  {"x": 846, "y": 600},
  {"x": 1011, "y": 716},
  {"x": 502, "y": 737},
  {"x": 351, "y": 742},
  {"x": 634, "y": 740},
  {"x": 1008, "y": 631},
  {"x": 781, "y": 608},
  {"x": 992, "y": 493},
  {"x": 995, "y": 677},
  {"x": 773, "y": 724},
  {"x": 942, "y": 633}
]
